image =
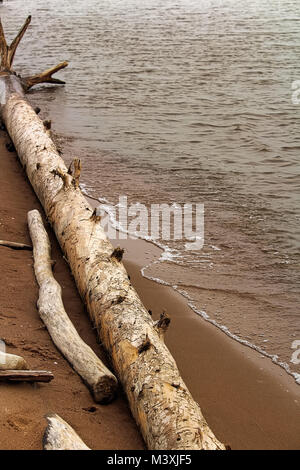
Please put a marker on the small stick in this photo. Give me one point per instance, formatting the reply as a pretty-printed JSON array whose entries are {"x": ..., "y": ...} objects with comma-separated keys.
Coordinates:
[
  {"x": 15, "y": 246},
  {"x": 26, "y": 376}
]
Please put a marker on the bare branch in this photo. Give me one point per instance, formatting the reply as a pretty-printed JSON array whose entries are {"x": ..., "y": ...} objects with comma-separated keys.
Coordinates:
[
  {"x": 3, "y": 47},
  {"x": 45, "y": 77},
  {"x": 13, "y": 47}
]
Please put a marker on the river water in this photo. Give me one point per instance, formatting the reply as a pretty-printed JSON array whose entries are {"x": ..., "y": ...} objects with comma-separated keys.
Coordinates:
[{"x": 188, "y": 101}]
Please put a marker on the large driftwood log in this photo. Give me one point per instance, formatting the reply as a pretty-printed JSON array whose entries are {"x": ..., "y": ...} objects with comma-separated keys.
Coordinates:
[
  {"x": 164, "y": 409},
  {"x": 12, "y": 362},
  {"x": 95, "y": 374},
  {"x": 60, "y": 436}
]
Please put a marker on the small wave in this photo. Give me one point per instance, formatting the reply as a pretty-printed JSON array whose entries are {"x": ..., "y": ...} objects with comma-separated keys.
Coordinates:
[{"x": 169, "y": 254}]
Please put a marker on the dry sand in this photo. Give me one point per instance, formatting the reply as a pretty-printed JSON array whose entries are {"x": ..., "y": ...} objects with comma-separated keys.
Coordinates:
[
  {"x": 23, "y": 406},
  {"x": 249, "y": 402}
]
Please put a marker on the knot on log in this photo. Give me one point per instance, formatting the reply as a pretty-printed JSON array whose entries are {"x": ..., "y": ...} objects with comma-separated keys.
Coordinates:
[
  {"x": 146, "y": 344},
  {"x": 10, "y": 147},
  {"x": 47, "y": 124},
  {"x": 117, "y": 254},
  {"x": 119, "y": 300}
]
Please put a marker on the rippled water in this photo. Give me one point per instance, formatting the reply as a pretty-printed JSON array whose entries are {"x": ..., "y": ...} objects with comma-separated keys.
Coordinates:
[{"x": 189, "y": 101}]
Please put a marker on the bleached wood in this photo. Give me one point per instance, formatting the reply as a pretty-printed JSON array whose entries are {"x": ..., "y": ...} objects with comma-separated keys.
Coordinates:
[
  {"x": 164, "y": 409},
  {"x": 12, "y": 362},
  {"x": 95, "y": 374},
  {"x": 59, "y": 435}
]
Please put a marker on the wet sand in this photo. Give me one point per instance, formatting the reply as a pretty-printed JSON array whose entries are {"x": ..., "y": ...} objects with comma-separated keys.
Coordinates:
[{"x": 248, "y": 401}]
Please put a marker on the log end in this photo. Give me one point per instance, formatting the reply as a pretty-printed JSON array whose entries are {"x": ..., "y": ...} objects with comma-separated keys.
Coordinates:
[
  {"x": 105, "y": 390},
  {"x": 60, "y": 436}
]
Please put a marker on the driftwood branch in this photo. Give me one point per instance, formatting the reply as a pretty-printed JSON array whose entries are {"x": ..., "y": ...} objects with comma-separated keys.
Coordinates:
[
  {"x": 45, "y": 77},
  {"x": 8, "y": 52},
  {"x": 59, "y": 435},
  {"x": 161, "y": 403},
  {"x": 15, "y": 246},
  {"x": 13, "y": 47},
  {"x": 26, "y": 376},
  {"x": 94, "y": 373}
]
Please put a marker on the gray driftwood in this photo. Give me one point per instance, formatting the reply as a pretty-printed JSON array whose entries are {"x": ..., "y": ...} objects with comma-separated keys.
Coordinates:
[
  {"x": 100, "y": 380},
  {"x": 60, "y": 436}
]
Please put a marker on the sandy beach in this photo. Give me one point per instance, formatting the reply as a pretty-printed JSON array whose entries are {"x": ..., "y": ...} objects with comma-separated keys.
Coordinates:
[
  {"x": 24, "y": 406},
  {"x": 249, "y": 402}
]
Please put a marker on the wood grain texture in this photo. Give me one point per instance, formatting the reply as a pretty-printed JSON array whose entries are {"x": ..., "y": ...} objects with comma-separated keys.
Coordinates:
[
  {"x": 59, "y": 435},
  {"x": 26, "y": 376},
  {"x": 102, "y": 383}
]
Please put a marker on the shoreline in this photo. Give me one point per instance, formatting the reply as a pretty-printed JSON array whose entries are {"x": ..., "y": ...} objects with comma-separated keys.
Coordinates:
[
  {"x": 247, "y": 401},
  {"x": 260, "y": 400}
]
